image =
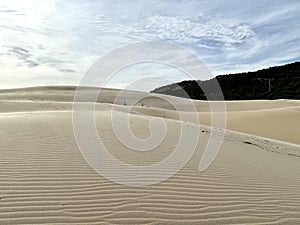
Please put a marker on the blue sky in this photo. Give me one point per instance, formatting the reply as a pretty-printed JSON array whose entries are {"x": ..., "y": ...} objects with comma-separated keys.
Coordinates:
[{"x": 54, "y": 42}]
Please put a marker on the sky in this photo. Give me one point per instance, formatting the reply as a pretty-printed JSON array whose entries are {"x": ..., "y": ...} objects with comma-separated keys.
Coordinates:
[{"x": 54, "y": 42}]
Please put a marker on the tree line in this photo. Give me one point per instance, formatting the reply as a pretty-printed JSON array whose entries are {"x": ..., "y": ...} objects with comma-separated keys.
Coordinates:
[{"x": 279, "y": 82}]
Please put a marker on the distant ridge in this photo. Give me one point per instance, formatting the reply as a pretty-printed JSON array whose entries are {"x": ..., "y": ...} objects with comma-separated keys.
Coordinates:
[{"x": 279, "y": 82}]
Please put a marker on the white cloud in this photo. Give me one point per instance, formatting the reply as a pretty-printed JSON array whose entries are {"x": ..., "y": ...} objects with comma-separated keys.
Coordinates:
[
  {"x": 66, "y": 37},
  {"x": 197, "y": 30}
]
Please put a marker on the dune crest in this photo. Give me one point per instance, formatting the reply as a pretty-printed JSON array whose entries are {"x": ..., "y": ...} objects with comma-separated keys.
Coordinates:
[{"x": 45, "y": 180}]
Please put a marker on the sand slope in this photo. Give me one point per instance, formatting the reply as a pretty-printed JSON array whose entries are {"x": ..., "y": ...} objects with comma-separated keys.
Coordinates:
[{"x": 45, "y": 180}]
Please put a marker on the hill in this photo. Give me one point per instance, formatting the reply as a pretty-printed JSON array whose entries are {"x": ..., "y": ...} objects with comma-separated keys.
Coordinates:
[{"x": 280, "y": 82}]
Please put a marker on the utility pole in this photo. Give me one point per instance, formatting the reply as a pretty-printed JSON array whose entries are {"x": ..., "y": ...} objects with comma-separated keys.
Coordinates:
[{"x": 269, "y": 85}]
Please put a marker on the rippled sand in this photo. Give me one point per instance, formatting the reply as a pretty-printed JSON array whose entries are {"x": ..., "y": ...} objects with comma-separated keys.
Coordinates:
[{"x": 44, "y": 179}]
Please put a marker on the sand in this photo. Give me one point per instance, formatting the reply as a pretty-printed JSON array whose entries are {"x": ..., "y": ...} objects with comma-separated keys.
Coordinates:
[{"x": 44, "y": 179}]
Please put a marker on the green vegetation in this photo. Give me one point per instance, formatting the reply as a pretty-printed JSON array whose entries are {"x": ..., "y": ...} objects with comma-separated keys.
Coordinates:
[{"x": 284, "y": 84}]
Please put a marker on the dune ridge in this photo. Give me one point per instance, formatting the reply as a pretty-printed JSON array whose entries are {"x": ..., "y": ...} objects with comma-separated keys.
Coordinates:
[
  {"x": 45, "y": 180},
  {"x": 273, "y": 119}
]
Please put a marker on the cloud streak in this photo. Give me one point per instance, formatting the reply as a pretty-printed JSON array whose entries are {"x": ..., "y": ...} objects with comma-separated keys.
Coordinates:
[{"x": 68, "y": 36}]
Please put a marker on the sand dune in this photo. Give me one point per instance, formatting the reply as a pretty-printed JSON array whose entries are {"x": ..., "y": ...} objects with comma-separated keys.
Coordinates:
[{"x": 45, "y": 180}]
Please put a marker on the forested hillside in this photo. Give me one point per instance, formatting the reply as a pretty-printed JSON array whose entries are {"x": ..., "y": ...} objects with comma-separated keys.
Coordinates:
[{"x": 280, "y": 82}]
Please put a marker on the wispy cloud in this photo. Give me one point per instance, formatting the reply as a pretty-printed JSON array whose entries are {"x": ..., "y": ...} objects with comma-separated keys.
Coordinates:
[{"x": 68, "y": 36}]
